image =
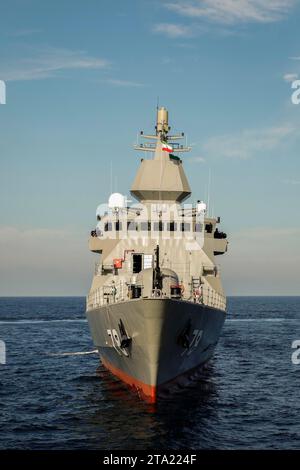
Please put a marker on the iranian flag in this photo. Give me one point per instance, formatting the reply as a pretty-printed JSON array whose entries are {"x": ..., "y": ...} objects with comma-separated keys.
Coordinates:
[{"x": 166, "y": 147}]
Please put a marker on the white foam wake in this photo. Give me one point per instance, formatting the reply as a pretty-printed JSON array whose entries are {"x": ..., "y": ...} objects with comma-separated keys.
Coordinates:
[{"x": 79, "y": 353}]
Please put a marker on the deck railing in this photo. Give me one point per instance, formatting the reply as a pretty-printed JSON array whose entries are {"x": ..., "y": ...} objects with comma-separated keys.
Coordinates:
[{"x": 118, "y": 292}]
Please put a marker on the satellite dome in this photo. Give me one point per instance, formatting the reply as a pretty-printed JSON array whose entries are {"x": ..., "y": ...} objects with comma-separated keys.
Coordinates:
[{"x": 117, "y": 201}]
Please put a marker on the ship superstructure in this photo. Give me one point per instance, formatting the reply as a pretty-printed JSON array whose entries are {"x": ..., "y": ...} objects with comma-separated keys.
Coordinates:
[{"x": 156, "y": 305}]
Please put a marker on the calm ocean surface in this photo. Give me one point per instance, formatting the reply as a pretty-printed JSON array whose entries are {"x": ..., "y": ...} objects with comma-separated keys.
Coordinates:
[{"x": 248, "y": 398}]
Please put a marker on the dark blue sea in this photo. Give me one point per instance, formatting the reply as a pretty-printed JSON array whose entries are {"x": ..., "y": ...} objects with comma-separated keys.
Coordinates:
[{"x": 247, "y": 398}]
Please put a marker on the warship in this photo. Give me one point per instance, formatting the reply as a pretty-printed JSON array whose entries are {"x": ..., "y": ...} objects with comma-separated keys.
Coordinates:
[{"x": 156, "y": 305}]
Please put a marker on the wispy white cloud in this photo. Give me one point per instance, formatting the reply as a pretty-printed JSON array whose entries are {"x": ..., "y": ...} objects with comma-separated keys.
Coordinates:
[
  {"x": 247, "y": 143},
  {"x": 24, "y": 32},
  {"x": 47, "y": 62},
  {"x": 233, "y": 11},
  {"x": 123, "y": 83},
  {"x": 290, "y": 77},
  {"x": 172, "y": 30},
  {"x": 197, "y": 159},
  {"x": 292, "y": 181}
]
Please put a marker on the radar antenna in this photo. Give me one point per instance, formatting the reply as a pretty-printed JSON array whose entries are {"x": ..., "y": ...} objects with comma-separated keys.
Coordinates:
[{"x": 162, "y": 129}]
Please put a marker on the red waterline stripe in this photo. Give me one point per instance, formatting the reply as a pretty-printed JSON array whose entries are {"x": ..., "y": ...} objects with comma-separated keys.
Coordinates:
[{"x": 149, "y": 391}]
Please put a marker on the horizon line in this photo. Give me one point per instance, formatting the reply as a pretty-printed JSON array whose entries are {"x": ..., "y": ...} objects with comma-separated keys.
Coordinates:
[{"x": 84, "y": 296}]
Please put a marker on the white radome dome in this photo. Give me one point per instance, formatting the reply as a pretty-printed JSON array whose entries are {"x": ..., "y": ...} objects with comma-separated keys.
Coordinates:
[{"x": 116, "y": 201}]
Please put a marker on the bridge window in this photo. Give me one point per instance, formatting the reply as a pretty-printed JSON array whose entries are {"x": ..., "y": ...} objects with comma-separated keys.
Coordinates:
[
  {"x": 184, "y": 227},
  {"x": 158, "y": 226},
  {"x": 132, "y": 225},
  {"x": 198, "y": 227},
  {"x": 145, "y": 226},
  {"x": 108, "y": 227},
  {"x": 172, "y": 226}
]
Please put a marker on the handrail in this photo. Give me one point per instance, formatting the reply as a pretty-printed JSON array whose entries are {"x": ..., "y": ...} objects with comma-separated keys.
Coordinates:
[{"x": 118, "y": 292}]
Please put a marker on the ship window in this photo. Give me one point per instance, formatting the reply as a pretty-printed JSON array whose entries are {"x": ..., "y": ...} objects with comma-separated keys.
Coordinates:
[
  {"x": 137, "y": 260},
  {"x": 118, "y": 226},
  {"x": 108, "y": 227},
  {"x": 198, "y": 227},
  {"x": 184, "y": 227},
  {"x": 132, "y": 225},
  {"x": 158, "y": 226},
  {"x": 145, "y": 226},
  {"x": 172, "y": 226},
  {"x": 208, "y": 228}
]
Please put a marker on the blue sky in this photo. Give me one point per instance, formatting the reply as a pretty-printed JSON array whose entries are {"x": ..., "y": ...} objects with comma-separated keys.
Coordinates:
[{"x": 83, "y": 78}]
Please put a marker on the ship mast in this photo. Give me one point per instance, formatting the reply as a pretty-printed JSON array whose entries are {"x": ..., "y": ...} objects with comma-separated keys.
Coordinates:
[
  {"x": 162, "y": 129},
  {"x": 161, "y": 178}
]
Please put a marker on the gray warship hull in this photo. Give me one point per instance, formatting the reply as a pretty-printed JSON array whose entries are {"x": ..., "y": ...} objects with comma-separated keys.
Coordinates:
[
  {"x": 165, "y": 340},
  {"x": 156, "y": 305}
]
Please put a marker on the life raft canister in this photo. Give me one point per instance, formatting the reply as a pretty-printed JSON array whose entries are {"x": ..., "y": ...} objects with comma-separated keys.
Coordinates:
[{"x": 118, "y": 263}]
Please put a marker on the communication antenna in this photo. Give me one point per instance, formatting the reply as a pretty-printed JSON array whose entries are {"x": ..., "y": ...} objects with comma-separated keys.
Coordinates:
[
  {"x": 111, "y": 177},
  {"x": 208, "y": 192}
]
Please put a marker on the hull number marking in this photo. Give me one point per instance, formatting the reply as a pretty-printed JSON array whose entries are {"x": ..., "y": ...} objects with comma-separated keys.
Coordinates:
[
  {"x": 197, "y": 335},
  {"x": 116, "y": 342}
]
